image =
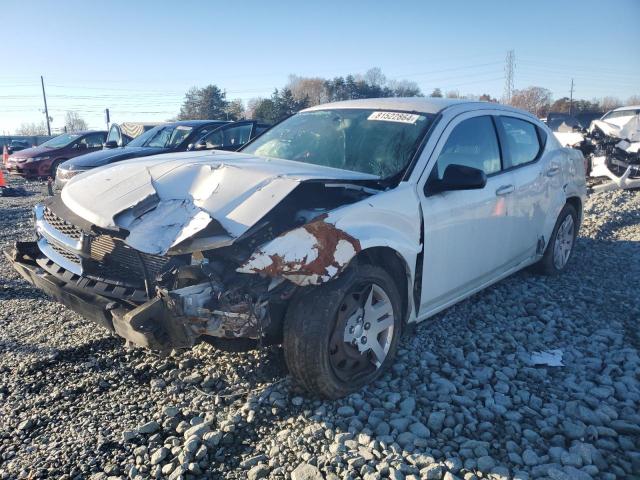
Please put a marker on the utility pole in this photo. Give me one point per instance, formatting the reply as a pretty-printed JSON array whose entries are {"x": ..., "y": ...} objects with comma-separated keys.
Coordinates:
[
  {"x": 46, "y": 110},
  {"x": 509, "y": 66},
  {"x": 571, "y": 99}
]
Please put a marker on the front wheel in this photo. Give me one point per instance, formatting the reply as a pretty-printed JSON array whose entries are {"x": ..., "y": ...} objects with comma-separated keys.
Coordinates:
[
  {"x": 54, "y": 168},
  {"x": 339, "y": 336},
  {"x": 560, "y": 247}
]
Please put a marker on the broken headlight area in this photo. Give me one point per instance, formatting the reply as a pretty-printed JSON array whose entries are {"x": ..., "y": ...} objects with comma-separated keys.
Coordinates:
[{"x": 203, "y": 288}]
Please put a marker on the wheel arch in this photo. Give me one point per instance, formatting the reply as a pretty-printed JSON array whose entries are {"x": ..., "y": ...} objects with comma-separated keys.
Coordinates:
[
  {"x": 576, "y": 203},
  {"x": 395, "y": 264}
]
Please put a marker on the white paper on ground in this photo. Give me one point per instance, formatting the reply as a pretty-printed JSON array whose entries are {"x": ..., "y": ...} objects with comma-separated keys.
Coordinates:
[{"x": 551, "y": 358}]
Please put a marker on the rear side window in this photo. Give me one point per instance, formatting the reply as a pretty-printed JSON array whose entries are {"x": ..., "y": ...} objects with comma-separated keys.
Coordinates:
[
  {"x": 522, "y": 144},
  {"x": 472, "y": 143}
]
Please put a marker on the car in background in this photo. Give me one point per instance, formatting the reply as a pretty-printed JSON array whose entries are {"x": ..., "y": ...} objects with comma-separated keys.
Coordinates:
[
  {"x": 620, "y": 116},
  {"x": 560, "y": 121},
  {"x": 121, "y": 134},
  {"x": 231, "y": 137},
  {"x": 168, "y": 138},
  {"x": 42, "y": 161},
  {"x": 17, "y": 145}
]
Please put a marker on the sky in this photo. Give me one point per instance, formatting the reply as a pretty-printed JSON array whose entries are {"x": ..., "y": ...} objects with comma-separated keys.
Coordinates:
[{"x": 138, "y": 58}]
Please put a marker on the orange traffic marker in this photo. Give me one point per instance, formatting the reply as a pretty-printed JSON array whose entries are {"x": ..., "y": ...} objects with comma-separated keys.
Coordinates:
[
  {"x": 5, "y": 155},
  {"x": 2, "y": 182}
]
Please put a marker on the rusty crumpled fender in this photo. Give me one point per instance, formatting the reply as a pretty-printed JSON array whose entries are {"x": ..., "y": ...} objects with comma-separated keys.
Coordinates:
[{"x": 319, "y": 250}]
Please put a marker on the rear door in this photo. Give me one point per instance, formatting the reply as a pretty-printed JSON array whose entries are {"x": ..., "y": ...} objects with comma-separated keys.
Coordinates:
[{"x": 534, "y": 180}]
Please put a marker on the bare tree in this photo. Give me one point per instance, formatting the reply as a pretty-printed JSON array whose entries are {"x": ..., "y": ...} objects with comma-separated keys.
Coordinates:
[
  {"x": 311, "y": 88},
  {"x": 453, "y": 94},
  {"x": 609, "y": 103},
  {"x": 74, "y": 123},
  {"x": 252, "y": 103},
  {"x": 533, "y": 99},
  {"x": 235, "y": 109},
  {"x": 374, "y": 76},
  {"x": 633, "y": 100},
  {"x": 30, "y": 129}
]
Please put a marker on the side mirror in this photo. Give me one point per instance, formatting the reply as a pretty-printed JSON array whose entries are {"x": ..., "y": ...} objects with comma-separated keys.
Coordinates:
[
  {"x": 458, "y": 177},
  {"x": 81, "y": 146},
  {"x": 110, "y": 144}
]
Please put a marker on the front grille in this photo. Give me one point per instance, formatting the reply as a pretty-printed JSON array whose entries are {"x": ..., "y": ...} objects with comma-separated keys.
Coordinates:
[
  {"x": 62, "y": 226},
  {"x": 103, "y": 257},
  {"x": 116, "y": 260},
  {"x": 65, "y": 253}
]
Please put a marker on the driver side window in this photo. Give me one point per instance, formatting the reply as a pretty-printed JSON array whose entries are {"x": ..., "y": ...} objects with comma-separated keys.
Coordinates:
[{"x": 472, "y": 143}]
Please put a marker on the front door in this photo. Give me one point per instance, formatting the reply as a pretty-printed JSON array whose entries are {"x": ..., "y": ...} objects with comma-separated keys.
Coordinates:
[{"x": 466, "y": 232}]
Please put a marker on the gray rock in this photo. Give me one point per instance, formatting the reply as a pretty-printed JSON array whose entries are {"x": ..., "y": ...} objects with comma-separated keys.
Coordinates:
[
  {"x": 419, "y": 430},
  {"x": 149, "y": 427},
  {"x": 197, "y": 430},
  {"x": 26, "y": 425},
  {"x": 485, "y": 463},
  {"x": 435, "y": 421},
  {"x": 529, "y": 457},
  {"x": 305, "y": 471},
  {"x": 159, "y": 455},
  {"x": 407, "y": 406},
  {"x": 432, "y": 472},
  {"x": 258, "y": 472},
  {"x": 170, "y": 411},
  {"x": 346, "y": 411},
  {"x": 252, "y": 461}
]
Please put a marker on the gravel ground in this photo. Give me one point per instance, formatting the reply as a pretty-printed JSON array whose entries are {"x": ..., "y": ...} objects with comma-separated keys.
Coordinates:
[{"x": 462, "y": 400}]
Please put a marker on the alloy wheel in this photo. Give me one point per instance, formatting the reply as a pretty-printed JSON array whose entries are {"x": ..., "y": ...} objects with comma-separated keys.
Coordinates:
[
  {"x": 564, "y": 242},
  {"x": 363, "y": 332}
]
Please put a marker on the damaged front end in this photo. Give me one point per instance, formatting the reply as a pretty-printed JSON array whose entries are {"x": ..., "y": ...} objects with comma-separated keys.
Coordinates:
[
  {"x": 613, "y": 153},
  {"x": 167, "y": 273}
]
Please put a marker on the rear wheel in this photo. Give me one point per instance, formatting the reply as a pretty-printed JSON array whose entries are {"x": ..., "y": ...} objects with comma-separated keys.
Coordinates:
[
  {"x": 560, "y": 247},
  {"x": 341, "y": 335}
]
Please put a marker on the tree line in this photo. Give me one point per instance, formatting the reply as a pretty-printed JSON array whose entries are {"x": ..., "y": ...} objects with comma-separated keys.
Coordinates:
[{"x": 211, "y": 102}]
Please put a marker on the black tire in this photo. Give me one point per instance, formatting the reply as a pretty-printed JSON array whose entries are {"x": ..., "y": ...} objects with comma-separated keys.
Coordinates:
[
  {"x": 54, "y": 167},
  {"x": 311, "y": 321},
  {"x": 546, "y": 265}
]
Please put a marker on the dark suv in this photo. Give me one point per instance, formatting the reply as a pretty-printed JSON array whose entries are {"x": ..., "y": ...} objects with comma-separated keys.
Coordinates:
[{"x": 43, "y": 160}]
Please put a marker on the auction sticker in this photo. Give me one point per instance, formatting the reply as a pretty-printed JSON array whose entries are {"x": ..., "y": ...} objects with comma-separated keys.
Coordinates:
[{"x": 400, "y": 117}]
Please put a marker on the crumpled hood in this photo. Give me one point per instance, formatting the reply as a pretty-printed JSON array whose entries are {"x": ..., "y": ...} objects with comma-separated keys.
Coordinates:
[
  {"x": 165, "y": 199},
  {"x": 107, "y": 156}
]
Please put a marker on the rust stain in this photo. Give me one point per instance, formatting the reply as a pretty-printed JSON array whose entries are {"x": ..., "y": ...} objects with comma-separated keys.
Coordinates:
[{"x": 327, "y": 238}]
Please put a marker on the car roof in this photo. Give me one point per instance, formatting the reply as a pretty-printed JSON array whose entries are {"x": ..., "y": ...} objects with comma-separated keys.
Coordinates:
[
  {"x": 414, "y": 104},
  {"x": 196, "y": 123},
  {"x": 628, "y": 107},
  {"x": 85, "y": 132}
]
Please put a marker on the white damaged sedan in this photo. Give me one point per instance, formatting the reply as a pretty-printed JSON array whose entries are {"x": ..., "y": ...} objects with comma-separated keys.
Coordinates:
[{"x": 328, "y": 234}]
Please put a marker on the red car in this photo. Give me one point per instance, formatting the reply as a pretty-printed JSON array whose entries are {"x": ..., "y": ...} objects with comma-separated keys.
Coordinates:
[{"x": 43, "y": 160}]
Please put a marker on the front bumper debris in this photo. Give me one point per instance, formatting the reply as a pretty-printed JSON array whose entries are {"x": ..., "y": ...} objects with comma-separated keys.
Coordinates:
[
  {"x": 630, "y": 177},
  {"x": 170, "y": 320}
]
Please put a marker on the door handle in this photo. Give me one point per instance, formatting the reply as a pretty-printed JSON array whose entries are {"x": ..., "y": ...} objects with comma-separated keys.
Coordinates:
[
  {"x": 553, "y": 171},
  {"x": 505, "y": 190}
]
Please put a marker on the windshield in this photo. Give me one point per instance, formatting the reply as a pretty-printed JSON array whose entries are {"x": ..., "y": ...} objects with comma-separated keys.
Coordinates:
[
  {"x": 369, "y": 141},
  {"x": 162, "y": 137},
  {"x": 61, "y": 140}
]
